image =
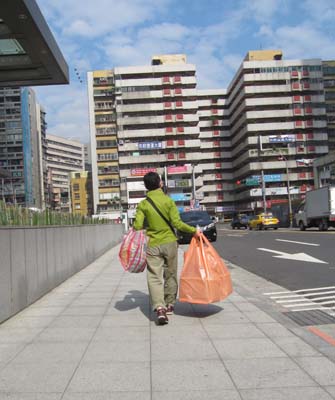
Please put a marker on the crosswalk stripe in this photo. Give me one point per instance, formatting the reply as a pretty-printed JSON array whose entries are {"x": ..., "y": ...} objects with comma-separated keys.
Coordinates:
[
  {"x": 305, "y": 299},
  {"x": 299, "y": 295},
  {"x": 300, "y": 290}
]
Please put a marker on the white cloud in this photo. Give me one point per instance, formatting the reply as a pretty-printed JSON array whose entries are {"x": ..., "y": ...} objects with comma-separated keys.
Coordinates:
[
  {"x": 95, "y": 18},
  {"x": 301, "y": 41},
  {"x": 263, "y": 10},
  {"x": 321, "y": 10},
  {"x": 66, "y": 110}
]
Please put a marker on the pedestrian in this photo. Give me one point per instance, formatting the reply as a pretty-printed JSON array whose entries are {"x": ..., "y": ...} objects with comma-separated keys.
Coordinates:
[{"x": 158, "y": 212}]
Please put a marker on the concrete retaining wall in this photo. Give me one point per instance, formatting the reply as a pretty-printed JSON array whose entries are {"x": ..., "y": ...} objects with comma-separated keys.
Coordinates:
[{"x": 33, "y": 261}]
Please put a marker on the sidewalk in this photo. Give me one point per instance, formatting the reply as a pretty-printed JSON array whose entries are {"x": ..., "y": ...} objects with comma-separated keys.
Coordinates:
[{"x": 93, "y": 338}]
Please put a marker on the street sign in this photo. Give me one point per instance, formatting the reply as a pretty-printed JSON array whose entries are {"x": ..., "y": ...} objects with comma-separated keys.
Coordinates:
[{"x": 251, "y": 182}]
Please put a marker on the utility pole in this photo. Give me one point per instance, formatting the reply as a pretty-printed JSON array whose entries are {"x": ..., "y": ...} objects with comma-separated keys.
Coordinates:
[
  {"x": 262, "y": 173},
  {"x": 289, "y": 194},
  {"x": 193, "y": 183},
  {"x": 263, "y": 191}
]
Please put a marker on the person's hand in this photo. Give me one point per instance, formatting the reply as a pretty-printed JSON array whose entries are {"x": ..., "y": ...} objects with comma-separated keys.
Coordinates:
[{"x": 197, "y": 232}]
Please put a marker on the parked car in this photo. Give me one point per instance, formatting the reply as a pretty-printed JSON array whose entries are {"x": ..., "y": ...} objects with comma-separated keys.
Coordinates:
[
  {"x": 263, "y": 221},
  {"x": 240, "y": 221},
  {"x": 197, "y": 218}
]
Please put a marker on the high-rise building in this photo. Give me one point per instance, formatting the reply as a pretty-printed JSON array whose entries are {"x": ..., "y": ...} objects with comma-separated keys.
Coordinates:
[
  {"x": 63, "y": 157},
  {"x": 21, "y": 134},
  {"x": 328, "y": 68},
  {"x": 278, "y": 127},
  {"x": 146, "y": 119},
  {"x": 81, "y": 192},
  {"x": 250, "y": 147}
]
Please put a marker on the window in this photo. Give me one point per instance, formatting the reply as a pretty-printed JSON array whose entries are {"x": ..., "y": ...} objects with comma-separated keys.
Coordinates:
[
  {"x": 76, "y": 187},
  {"x": 180, "y": 129}
]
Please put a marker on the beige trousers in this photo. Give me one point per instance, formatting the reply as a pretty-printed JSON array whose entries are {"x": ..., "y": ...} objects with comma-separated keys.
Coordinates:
[{"x": 162, "y": 265}]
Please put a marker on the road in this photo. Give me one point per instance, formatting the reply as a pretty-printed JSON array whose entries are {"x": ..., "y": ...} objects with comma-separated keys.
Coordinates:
[{"x": 290, "y": 258}]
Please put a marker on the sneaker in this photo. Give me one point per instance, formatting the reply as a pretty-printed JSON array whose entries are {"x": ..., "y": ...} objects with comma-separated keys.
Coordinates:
[
  {"x": 162, "y": 319},
  {"x": 169, "y": 309}
]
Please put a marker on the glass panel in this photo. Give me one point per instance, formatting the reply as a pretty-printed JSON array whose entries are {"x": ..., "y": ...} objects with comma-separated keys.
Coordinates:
[{"x": 10, "y": 47}]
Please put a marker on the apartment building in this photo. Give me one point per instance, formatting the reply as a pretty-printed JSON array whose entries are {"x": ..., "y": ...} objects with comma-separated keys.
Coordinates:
[
  {"x": 147, "y": 120},
  {"x": 81, "y": 192},
  {"x": 278, "y": 126},
  {"x": 328, "y": 68},
  {"x": 216, "y": 165},
  {"x": 22, "y": 130},
  {"x": 247, "y": 148},
  {"x": 63, "y": 157}
]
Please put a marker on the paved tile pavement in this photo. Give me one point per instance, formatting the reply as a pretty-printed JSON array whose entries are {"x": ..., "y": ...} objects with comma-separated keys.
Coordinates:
[{"x": 95, "y": 338}]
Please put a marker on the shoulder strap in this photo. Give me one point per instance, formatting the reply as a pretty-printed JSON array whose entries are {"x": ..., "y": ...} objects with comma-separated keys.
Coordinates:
[{"x": 159, "y": 212}]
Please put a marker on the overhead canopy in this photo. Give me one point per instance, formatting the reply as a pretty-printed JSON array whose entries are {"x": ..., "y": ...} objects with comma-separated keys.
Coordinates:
[{"x": 29, "y": 54}]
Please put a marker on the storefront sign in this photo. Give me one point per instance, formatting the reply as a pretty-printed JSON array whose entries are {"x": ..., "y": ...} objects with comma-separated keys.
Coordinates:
[
  {"x": 181, "y": 168},
  {"x": 142, "y": 171},
  {"x": 281, "y": 138},
  {"x": 268, "y": 178},
  {"x": 149, "y": 145},
  {"x": 181, "y": 196}
]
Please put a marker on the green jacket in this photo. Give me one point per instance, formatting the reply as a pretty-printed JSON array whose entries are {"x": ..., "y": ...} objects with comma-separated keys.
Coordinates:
[{"x": 158, "y": 231}]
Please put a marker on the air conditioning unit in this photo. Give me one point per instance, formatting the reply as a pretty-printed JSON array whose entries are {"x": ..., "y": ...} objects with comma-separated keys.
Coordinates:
[{"x": 121, "y": 142}]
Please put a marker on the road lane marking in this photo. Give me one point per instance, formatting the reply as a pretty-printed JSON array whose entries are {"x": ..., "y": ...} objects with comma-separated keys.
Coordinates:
[
  {"x": 300, "y": 290},
  {"x": 296, "y": 256},
  {"x": 293, "y": 241}
]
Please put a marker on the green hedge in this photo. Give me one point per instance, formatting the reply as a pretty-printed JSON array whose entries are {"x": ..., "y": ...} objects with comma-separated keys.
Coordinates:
[{"x": 18, "y": 216}]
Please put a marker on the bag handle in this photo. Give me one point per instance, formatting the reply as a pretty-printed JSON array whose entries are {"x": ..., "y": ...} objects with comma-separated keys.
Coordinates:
[{"x": 162, "y": 216}]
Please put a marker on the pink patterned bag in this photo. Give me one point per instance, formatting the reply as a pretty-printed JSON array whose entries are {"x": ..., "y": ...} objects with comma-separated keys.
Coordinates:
[{"x": 132, "y": 254}]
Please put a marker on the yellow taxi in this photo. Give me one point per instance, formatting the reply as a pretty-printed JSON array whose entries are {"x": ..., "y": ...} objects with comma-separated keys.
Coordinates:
[{"x": 263, "y": 221}]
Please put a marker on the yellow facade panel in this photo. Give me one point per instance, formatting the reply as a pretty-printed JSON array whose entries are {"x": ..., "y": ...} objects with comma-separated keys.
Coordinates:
[
  {"x": 106, "y": 151},
  {"x": 263, "y": 55}
]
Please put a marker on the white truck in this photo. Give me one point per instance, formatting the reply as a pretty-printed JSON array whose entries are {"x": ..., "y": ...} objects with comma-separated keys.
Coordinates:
[{"x": 317, "y": 210}]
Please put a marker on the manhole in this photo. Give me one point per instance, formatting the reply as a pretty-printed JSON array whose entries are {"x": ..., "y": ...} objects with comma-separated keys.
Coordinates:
[{"x": 313, "y": 317}]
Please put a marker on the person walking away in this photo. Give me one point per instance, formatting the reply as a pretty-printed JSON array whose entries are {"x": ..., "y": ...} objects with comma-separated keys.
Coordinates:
[{"x": 161, "y": 216}]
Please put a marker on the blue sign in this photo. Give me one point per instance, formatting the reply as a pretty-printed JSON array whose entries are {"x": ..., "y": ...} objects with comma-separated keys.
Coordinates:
[
  {"x": 180, "y": 196},
  {"x": 268, "y": 178},
  {"x": 281, "y": 138},
  {"x": 149, "y": 145}
]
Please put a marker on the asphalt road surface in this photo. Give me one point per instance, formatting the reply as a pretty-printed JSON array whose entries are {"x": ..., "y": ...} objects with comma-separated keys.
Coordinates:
[{"x": 288, "y": 257}]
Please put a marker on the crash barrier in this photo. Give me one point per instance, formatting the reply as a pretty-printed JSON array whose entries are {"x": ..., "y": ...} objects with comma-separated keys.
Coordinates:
[{"x": 33, "y": 261}]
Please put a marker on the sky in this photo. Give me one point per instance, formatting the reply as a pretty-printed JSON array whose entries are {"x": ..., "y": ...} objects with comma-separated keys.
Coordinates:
[{"x": 215, "y": 35}]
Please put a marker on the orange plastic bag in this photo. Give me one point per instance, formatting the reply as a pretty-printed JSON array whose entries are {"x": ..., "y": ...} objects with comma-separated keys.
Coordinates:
[{"x": 205, "y": 278}]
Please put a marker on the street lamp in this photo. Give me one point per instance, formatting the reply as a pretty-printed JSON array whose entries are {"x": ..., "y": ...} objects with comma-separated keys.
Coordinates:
[{"x": 282, "y": 158}]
